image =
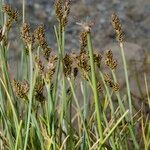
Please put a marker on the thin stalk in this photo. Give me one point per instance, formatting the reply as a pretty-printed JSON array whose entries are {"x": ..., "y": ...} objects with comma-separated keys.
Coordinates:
[
  {"x": 94, "y": 82},
  {"x": 30, "y": 98},
  {"x": 127, "y": 79}
]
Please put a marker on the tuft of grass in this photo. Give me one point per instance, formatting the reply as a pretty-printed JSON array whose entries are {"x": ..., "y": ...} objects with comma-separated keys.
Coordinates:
[{"x": 65, "y": 100}]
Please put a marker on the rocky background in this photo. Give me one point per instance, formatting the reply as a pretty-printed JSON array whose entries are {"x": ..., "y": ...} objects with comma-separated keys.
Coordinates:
[{"x": 135, "y": 17}]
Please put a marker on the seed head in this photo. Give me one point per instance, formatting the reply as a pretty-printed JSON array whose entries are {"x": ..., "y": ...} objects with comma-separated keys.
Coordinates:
[
  {"x": 62, "y": 11},
  {"x": 97, "y": 59},
  {"x": 110, "y": 61},
  {"x": 83, "y": 41},
  {"x": 59, "y": 9},
  {"x": 75, "y": 72},
  {"x": 116, "y": 87},
  {"x": 21, "y": 88},
  {"x": 67, "y": 62},
  {"x": 118, "y": 27},
  {"x": 83, "y": 61},
  {"x": 110, "y": 83},
  {"x": 27, "y": 37},
  {"x": 38, "y": 89},
  {"x": 13, "y": 14},
  {"x": 40, "y": 38}
]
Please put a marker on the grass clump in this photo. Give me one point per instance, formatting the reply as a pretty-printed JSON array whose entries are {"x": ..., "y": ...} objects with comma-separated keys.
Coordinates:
[{"x": 62, "y": 100}]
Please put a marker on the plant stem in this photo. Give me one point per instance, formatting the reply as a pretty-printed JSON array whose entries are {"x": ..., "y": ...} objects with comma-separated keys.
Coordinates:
[
  {"x": 30, "y": 98},
  {"x": 94, "y": 82},
  {"x": 126, "y": 78}
]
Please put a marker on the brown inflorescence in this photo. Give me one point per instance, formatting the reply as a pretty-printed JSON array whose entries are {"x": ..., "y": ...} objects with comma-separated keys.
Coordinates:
[
  {"x": 40, "y": 38},
  {"x": 83, "y": 61},
  {"x": 59, "y": 9},
  {"x": 38, "y": 89},
  {"x": 75, "y": 72},
  {"x": 67, "y": 65},
  {"x": 118, "y": 27},
  {"x": 13, "y": 16},
  {"x": 110, "y": 61},
  {"x": 83, "y": 41},
  {"x": 110, "y": 83},
  {"x": 27, "y": 37},
  {"x": 97, "y": 59},
  {"x": 62, "y": 11},
  {"x": 21, "y": 88}
]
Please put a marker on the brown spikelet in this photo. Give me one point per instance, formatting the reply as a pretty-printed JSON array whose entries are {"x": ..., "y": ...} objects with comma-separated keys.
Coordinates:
[
  {"x": 66, "y": 13},
  {"x": 38, "y": 89},
  {"x": 13, "y": 14},
  {"x": 62, "y": 11},
  {"x": 8, "y": 24},
  {"x": 83, "y": 41},
  {"x": 59, "y": 9},
  {"x": 116, "y": 87},
  {"x": 27, "y": 37},
  {"x": 110, "y": 83},
  {"x": 97, "y": 59},
  {"x": 21, "y": 88},
  {"x": 83, "y": 61},
  {"x": 118, "y": 27},
  {"x": 40, "y": 38},
  {"x": 67, "y": 62},
  {"x": 110, "y": 61},
  {"x": 108, "y": 80},
  {"x": 75, "y": 72}
]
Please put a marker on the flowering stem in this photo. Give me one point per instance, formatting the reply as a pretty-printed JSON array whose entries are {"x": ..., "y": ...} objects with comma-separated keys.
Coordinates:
[
  {"x": 94, "y": 83},
  {"x": 30, "y": 98},
  {"x": 126, "y": 78}
]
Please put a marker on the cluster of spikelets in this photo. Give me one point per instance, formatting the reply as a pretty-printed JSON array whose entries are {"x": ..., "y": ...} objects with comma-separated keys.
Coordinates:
[
  {"x": 12, "y": 16},
  {"x": 73, "y": 63}
]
